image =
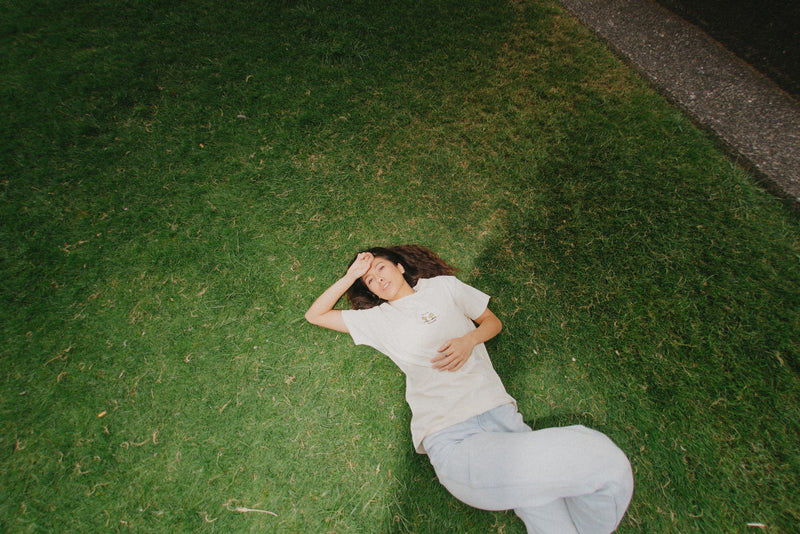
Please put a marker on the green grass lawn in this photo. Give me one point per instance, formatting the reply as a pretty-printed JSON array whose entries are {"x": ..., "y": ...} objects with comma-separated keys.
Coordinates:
[{"x": 180, "y": 180}]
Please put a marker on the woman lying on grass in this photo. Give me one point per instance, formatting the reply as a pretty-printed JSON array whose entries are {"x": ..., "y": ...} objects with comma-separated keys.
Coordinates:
[{"x": 407, "y": 305}]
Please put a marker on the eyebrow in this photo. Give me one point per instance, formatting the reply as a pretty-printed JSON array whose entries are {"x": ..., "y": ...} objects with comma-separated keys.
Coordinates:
[{"x": 372, "y": 269}]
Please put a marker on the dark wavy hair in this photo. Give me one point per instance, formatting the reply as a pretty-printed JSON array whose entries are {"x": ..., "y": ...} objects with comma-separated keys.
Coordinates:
[{"x": 418, "y": 262}]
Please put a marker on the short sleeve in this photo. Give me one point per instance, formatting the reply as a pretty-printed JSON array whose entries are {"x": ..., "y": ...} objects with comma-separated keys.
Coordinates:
[
  {"x": 364, "y": 326},
  {"x": 471, "y": 301}
]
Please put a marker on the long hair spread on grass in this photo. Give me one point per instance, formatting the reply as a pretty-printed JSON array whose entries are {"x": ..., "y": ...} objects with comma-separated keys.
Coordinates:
[{"x": 418, "y": 262}]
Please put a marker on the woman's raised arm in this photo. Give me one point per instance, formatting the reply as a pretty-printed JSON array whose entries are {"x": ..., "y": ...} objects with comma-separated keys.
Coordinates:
[{"x": 321, "y": 313}]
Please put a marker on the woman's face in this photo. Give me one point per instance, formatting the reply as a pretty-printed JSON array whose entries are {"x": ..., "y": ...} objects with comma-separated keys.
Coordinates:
[{"x": 385, "y": 279}]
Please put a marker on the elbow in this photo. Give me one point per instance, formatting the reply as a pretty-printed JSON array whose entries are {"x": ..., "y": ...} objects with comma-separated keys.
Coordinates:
[
  {"x": 311, "y": 317},
  {"x": 316, "y": 319}
]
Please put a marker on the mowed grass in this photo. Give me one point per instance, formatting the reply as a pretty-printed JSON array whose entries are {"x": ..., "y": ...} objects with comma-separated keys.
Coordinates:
[{"x": 181, "y": 180}]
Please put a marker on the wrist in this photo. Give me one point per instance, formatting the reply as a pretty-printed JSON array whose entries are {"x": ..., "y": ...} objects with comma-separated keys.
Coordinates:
[
  {"x": 473, "y": 338},
  {"x": 349, "y": 279}
]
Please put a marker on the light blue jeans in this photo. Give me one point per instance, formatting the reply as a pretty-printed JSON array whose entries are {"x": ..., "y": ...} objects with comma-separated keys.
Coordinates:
[{"x": 557, "y": 480}]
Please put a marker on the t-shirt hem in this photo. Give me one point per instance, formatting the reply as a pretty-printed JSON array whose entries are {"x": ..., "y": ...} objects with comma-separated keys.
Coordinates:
[{"x": 419, "y": 447}]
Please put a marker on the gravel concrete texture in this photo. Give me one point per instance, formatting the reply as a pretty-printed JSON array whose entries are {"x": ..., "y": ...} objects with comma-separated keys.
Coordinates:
[{"x": 756, "y": 121}]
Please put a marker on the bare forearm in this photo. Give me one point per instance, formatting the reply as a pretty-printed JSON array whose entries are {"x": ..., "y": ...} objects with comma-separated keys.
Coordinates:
[
  {"x": 321, "y": 313},
  {"x": 488, "y": 328},
  {"x": 328, "y": 299},
  {"x": 455, "y": 352}
]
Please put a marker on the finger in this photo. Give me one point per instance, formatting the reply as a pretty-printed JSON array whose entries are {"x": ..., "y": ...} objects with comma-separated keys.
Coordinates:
[
  {"x": 449, "y": 366},
  {"x": 458, "y": 363},
  {"x": 452, "y": 366},
  {"x": 442, "y": 362}
]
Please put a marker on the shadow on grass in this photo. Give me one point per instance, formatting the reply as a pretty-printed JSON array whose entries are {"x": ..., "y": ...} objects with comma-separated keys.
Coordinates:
[{"x": 660, "y": 308}]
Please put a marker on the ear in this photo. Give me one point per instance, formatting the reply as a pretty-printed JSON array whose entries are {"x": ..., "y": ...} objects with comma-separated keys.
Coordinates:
[{"x": 401, "y": 268}]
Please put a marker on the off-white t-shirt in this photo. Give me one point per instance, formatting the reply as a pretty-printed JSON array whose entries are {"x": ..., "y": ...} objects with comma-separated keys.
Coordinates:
[{"x": 411, "y": 330}]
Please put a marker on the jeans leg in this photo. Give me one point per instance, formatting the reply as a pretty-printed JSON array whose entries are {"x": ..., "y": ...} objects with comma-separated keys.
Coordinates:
[
  {"x": 529, "y": 470},
  {"x": 549, "y": 518}
]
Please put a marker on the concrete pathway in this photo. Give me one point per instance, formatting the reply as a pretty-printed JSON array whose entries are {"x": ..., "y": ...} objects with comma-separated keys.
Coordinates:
[{"x": 750, "y": 115}]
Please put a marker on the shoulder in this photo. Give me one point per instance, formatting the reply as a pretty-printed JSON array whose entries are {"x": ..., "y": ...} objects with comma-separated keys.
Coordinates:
[
  {"x": 366, "y": 318},
  {"x": 449, "y": 287},
  {"x": 437, "y": 281},
  {"x": 444, "y": 283},
  {"x": 366, "y": 312},
  {"x": 472, "y": 301}
]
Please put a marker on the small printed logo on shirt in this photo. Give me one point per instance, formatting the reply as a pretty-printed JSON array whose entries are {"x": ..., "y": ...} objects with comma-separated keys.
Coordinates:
[{"x": 428, "y": 318}]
